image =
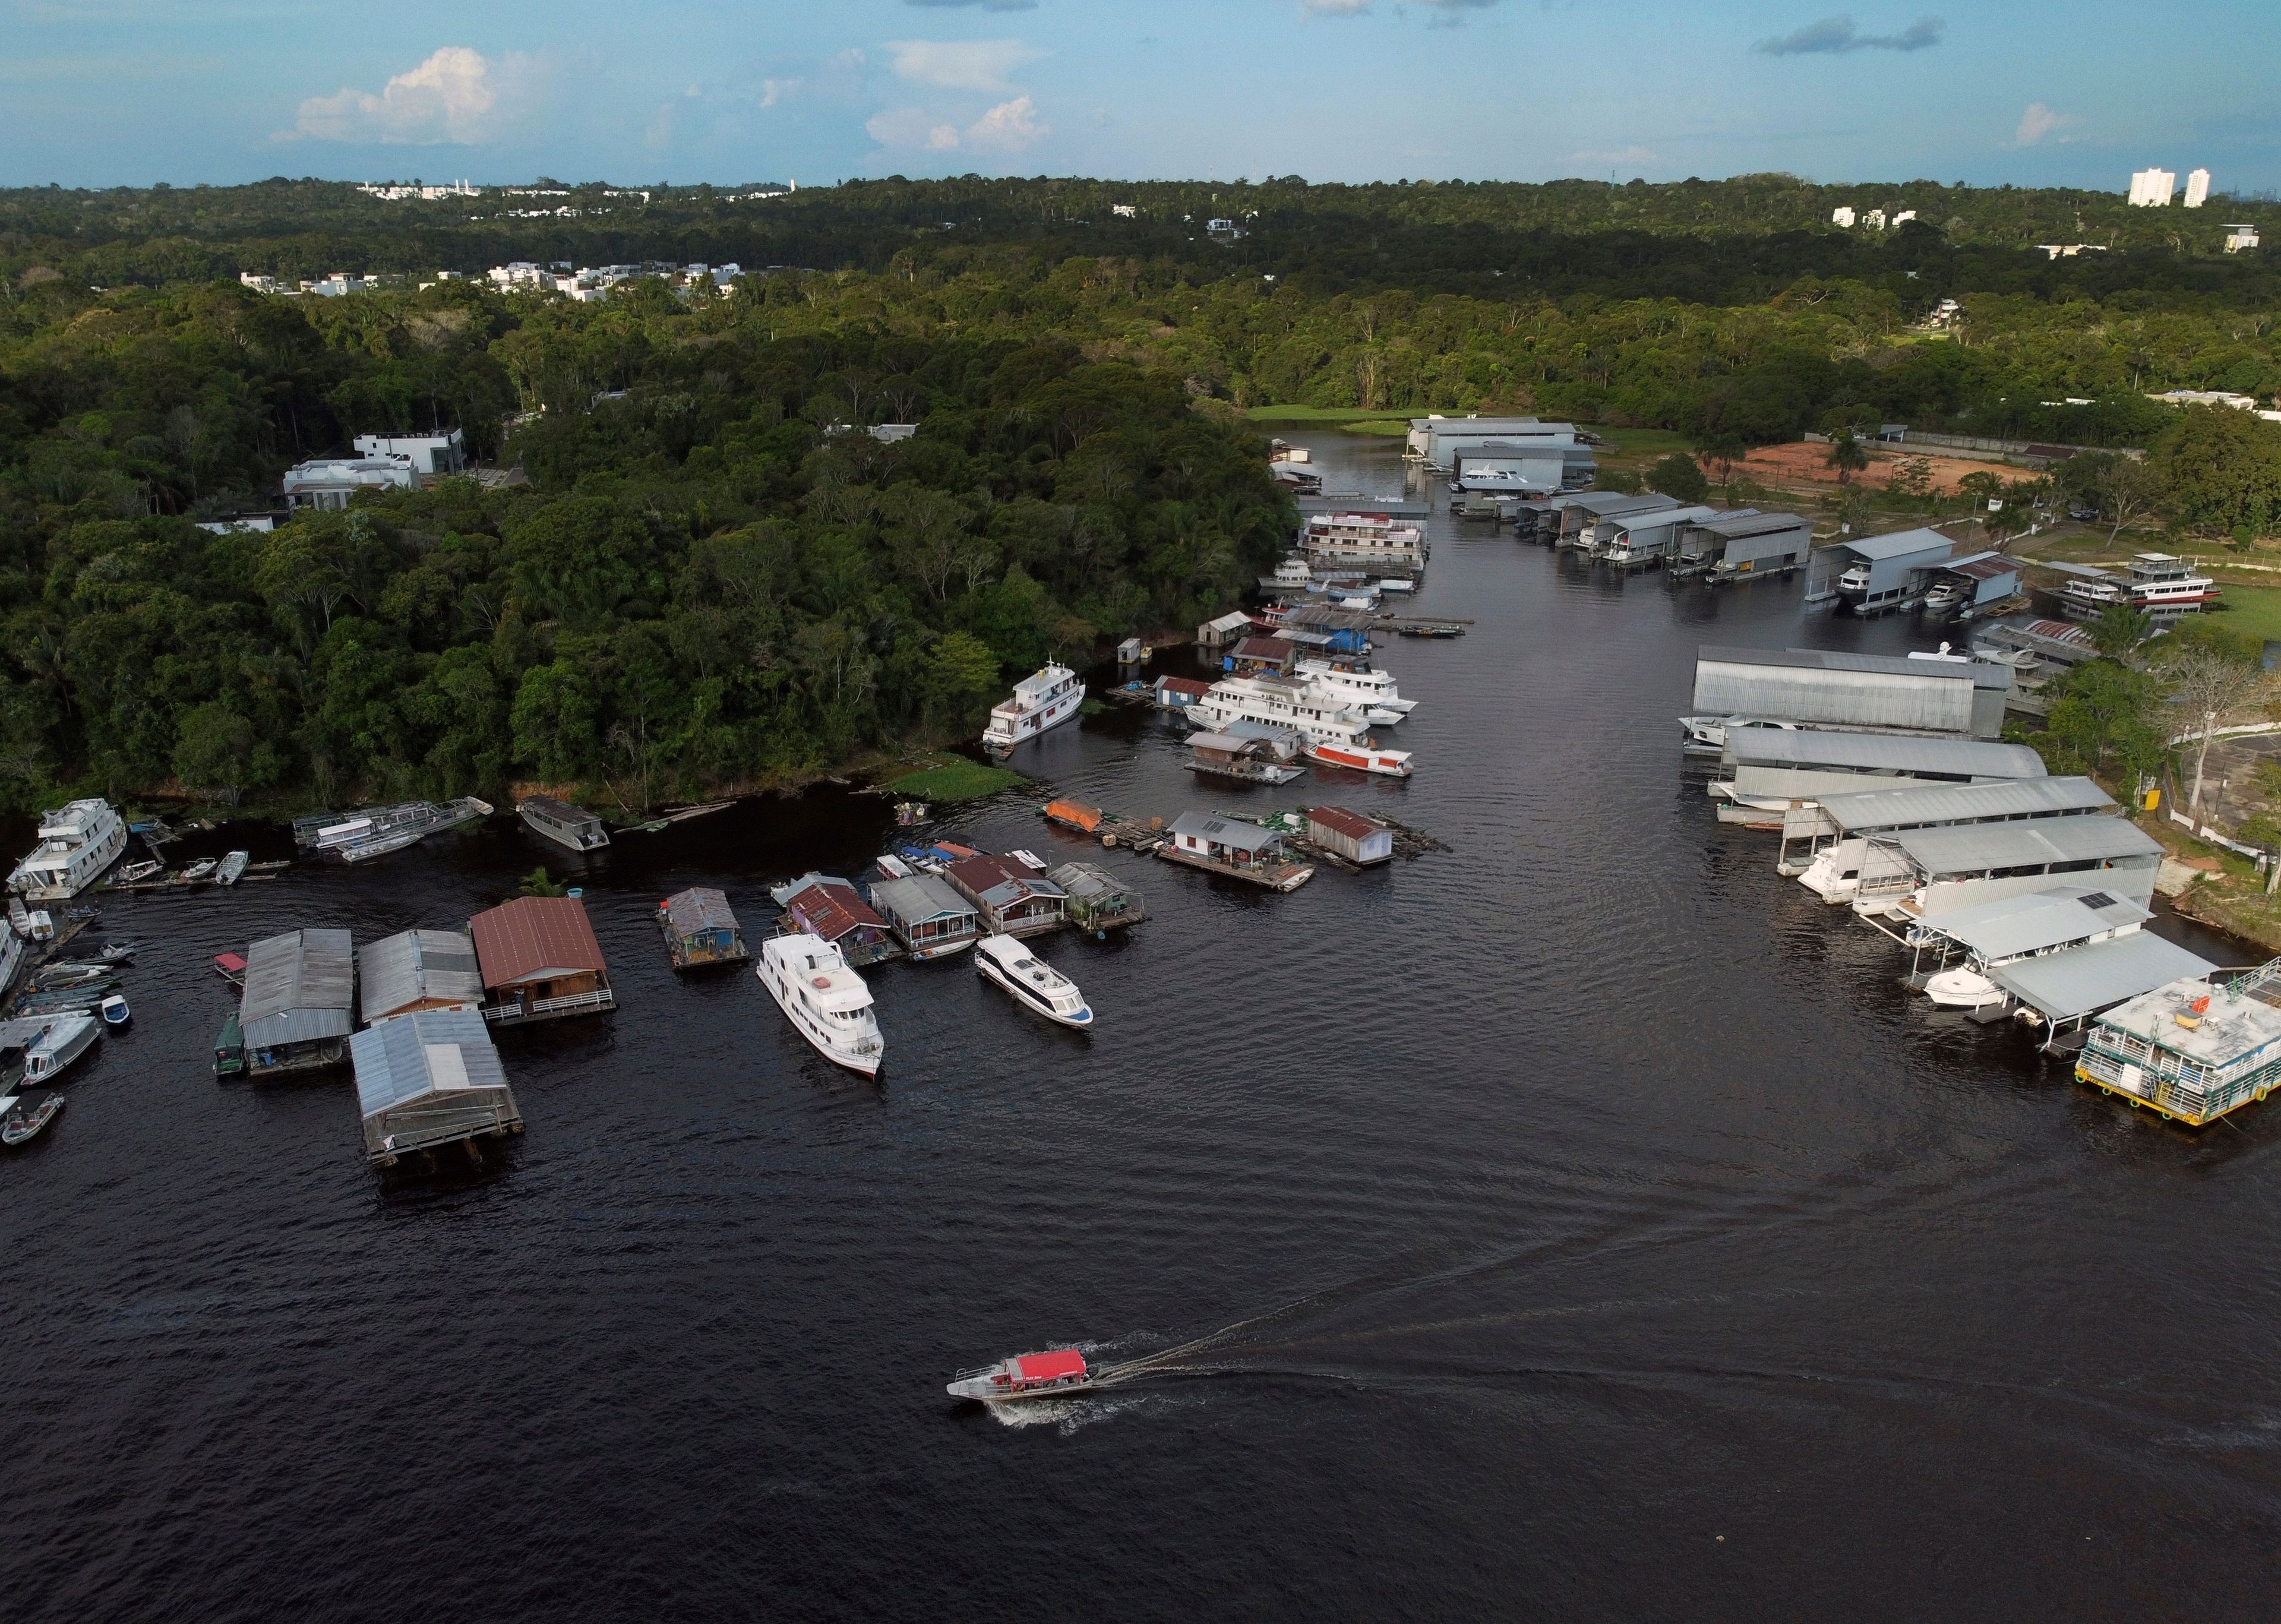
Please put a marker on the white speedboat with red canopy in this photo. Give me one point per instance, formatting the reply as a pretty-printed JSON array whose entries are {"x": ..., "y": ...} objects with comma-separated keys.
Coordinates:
[{"x": 1026, "y": 1375}]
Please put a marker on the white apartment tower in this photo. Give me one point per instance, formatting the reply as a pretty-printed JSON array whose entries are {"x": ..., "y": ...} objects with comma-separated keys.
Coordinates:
[
  {"x": 2151, "y": 189},
  {"x": 1842, "y": 217},
  {"x": 2197, "y": 189}
]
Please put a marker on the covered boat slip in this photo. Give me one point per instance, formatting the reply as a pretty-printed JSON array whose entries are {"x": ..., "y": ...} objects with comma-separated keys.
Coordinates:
[
  {"x": 1771, "y": 771},
  {"x": 1637, "y": 541},
  {"x": 429, "y": 1079},
  {"x": 296, "y": 1011},
  {"x": 2190, "y": 1050},
  {"x": 1744, "y": 546},
  {"x": 1858, "y": 814},
  {"x": 2023, "y": 926},
  {"x": 418, "y": 970},
  {"x": 1896, "y": 567},
  {"x": 1876, "y": 692},
  {"x": 2069, "y": 988},
  {"x": 1915, "y": 874}
]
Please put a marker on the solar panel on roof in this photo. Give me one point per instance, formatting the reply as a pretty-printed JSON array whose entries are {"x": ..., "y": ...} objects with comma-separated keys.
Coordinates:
[{"x": 2097, "y": 899}]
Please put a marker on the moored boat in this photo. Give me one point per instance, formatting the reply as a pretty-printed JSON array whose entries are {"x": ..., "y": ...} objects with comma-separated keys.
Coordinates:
[
  {"x": 229, "y": 1049},
  {"x": 78, "y": 841},
  {"x": 49, "y": 1042},
  {"x": 114, "y": 1011},
  {"x": 561, "y": 822},
  {"x": 1042, "y": 701},
  {"x": 23, "y": 1122},
  {"x": 1963, "y": 988},
  {"x": 230, "y": 967},
  {"x": 1055, "y": 1375},
  {"x": 1035, "y": 984},
  {"x": 1365, "y": 757},
  {"x": 199, "y": 870},
  {"x": 232, "y": 869},
  {"x": 142, "y": 870},
  {"x": 826, "y": 1002},
  {"x": 1376, "y": 692}
]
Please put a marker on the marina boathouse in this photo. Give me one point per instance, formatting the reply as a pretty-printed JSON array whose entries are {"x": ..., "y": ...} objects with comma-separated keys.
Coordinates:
[
  {"x": 1871, "y": 693},
  {"x": 1011, "y": 900},
  {"x": 1895, "y": 568},
  {"x": 1917, "y": 873},
  {"x": 540, "y": 961},
  {"x": 296, "y": 1012},
  {"x": 1842, "y": 823},
  {"x": 1740, "y": 547},
  {"x": 418, "y": 970},
  {"x": 700, "y": 929},
  {"x": 428, "y": 1079},
  {"x": 927, "y": 916},
  {"x": 1772, "y": 771}
]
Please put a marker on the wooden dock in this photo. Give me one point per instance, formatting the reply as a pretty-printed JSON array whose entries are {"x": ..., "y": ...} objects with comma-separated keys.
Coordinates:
[
  {"x": 1274, "y": 876},
  {"x": 176, "y": 883}
]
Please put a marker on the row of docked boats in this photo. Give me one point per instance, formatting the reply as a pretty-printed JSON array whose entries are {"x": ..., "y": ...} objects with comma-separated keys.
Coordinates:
[{"x": 1326, "y": 713}]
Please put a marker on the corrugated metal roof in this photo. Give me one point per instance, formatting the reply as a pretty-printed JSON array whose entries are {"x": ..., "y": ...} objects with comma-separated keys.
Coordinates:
[
  {"x": 1611, "y": 504},
  {"x": 1264, "y": 648},
  {"x": 2035, "y": 923},
  {"x": 1000, "y": 884},
  {"x": 1988, "y": 569},
  {"x": 1979, "y": 673},
  {"x": 2081, "y": 980},
  {"x": 1964, "y": 848},
  {"x": 1900, "y": 753},
  {"x": 413, "y": 966},
  {"x": 919, "y": 899},
  {"x": 1734, "y": 525},
  {"x": 394, "y": 1063},
  {"x": 1087, "y": 882},
  {"x": 1354, "y": 825},
  {"x": 531, "y": 936},
  {"x": 2230, "y": 1029},
  {"x": 1223, "y": 831},
  {"x": 698, "y": 909},
  {"x": 299, "y": 986},
  {"x": 1949, "y": 803},
  {"x": 831, "y": 908},
  {"x": 1899, "y": 544}
]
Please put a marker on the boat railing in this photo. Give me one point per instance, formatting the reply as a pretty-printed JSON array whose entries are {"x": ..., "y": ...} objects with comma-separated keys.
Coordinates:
[{"x": 506, "y": 1014}]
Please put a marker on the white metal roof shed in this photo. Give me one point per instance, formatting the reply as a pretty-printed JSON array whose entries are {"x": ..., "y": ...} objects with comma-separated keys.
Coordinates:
[
  {"x": 2066, "y": 987},
  {"x": 299, "y": 988},
  {"x": 1892, "y": 752},
  {"x": 2037, "y": 922},
  {"x": 411, "y": 968},
  {"x": 1977, "y": 848},
  {"x": 1928, "y": 804}
]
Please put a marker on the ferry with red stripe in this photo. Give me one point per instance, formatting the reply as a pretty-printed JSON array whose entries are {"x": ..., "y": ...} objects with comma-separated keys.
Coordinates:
[{"x": 1365, "y": 757}]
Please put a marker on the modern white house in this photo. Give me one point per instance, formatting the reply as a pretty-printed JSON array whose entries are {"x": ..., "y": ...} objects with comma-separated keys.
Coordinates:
[
  {"x": 445, "y": 452},
  {"x": 328, "y": 481}
]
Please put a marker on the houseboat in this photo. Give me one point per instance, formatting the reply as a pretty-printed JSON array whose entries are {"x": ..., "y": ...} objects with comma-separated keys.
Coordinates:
[
  {"x": 826, "y": 1002},
  {"x": 558, "y": 821},
  {"x": 1230, "y": 847},
  {"x": 377, "y": 831},
  {"x": 1376, "y": 542},
  {"x": 540, "y": 961},
  {"x": 78, "y": 841},
  {"x": 1299, "y": 704},
  {"x": 298, "y": 1009},
  {"x": 1041, "y": 702},
  {"x": 929, "y": 918},
  {"x": 1245, "y": 760},
  {"x": 1035, "y": 984},
  {"x": 1098, "y": 901},
  {"x": 700, "y": 929},
  {"x": 1365, "y": 757},
  {"x": 1011, "y": 902},
  {"x": 831, "y": 909},
  {"x": 1377, "y": 692},
  {"x": 1026, "y": 1375}
]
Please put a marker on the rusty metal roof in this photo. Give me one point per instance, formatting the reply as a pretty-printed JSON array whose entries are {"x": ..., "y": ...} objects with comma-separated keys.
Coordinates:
[
  {"x": 1352, "y": 824},
  {"x": 535, "y": 939}
]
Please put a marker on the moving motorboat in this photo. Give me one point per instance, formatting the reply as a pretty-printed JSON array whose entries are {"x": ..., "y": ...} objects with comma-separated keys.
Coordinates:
[
  {"x": 1055, "y": 1374},
  {"x": 23, "y": 1122},
  {"x": 1042, "y": 701},
  {"x": 114, "y": 1011},
  {"x": 1032, "y": 982},
  {"x": 826, "y": 1002},
  {"x": 78, "y": 841}
]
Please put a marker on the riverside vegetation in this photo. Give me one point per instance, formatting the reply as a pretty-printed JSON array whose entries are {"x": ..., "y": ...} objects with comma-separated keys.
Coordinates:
[{"x": 703, "y": 584}]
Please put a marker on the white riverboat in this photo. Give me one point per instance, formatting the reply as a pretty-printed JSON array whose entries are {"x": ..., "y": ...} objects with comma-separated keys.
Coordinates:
[
  {"x": 1376, "y": 692},
  {"x": 1041, "y": 702},
  {"x": 2161, "y": 584},
  {"x": 78, "y": 841},
  {"x": 1034, "y": 984},
  {"x": 826, "y": 1002},
  {"x": 1361, "y": 758}
]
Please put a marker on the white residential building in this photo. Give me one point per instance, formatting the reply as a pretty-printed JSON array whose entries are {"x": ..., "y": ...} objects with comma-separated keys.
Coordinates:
[
  {"x": 1905, "y": 216},
  {"x": 1874, "y": 220},
  {"x": 2240, "y": 236},
  {"x": 426, "y": 453},
  {"x": 2151, "y": 189},
  {"x": 328, "y": 481},
  {"x": 1126, "y": 210},
  {"x": 336, "y": 285},
  {"x": 391, "y": 192},
  {"x": 263, "y": 284},
  {"x": 2196, "y": 188},
  {"x": 1842, "y": 217}
]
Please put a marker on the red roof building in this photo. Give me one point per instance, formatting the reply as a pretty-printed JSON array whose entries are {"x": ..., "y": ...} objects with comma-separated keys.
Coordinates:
[
  {"x": 835, "y": 911},
  {"x": 1254, "y": 654},
  {"x": 1352, "y": 835},
  {"x": 540, "y": 961}
]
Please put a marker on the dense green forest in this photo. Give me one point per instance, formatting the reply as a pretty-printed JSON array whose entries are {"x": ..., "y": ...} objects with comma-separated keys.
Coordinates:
[{"x": 703, "y": 583}]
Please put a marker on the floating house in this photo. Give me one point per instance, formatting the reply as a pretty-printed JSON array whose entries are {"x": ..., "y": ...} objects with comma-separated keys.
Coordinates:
[
  {"x": 1225, "y": 629},
  {"x": 1345, "y": 632},
  {"x": 700, "y": 929},
  {"x": 418, "y": 970},
  {"x": 540, "y": 962},
  {"x": 1743, "y": 546},
  {"x": 1877, "y": 572},
  {"x": 1098, "y": 901},
  {"x": 832, "y": 909},
  {"x": 1772, "y": 771},
  {"x": 930, "y": 918},
  {"x": 1180, "y": 693},
  {"x": 1917, "y": 873},
  {"x": 1352, "y": 835},
  {"x": 2192, "y": 1049},
  {"x": 1255, "y": 655},
  {"x": 1247, "y": 752},
  {"x": 1230, "y": 847},
  {"x": 1011, "y": 900},
  {"x": 1864, "y": 693},
  {"x": 298, "y": 1009},
  {"x": 1836, "y": 828},
  {"x": 429, "y": 1079}
]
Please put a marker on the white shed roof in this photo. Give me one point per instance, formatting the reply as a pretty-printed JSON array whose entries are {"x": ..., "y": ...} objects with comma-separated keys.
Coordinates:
[
  {"x": 1967, "y": 848},
  {"x": 1897, "y": 753},
  {"x": 2082, "y": 980},
  {"x": 2035, "y": 923},
  {"x": 1923, "y": 804}
]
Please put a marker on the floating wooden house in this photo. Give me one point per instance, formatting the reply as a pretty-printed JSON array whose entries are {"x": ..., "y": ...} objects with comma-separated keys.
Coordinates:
[
  {"x": 1218, "y": 633},
  {"x": 1098, "y": 901},
  {"x": 539, "y": 962},
  {"x": 1180, "y": 693},
  {"x": 1352, "y": 835},
  {"x": 418, "y": 970},
  {"x": 1230, "y": 847},
  {"x": 298, "y": 1007},
  {"x": 429, "y": 1079},
  {"x": 1010, "y": 901},
  {"x": 700, "y": 929},
  {"x": 833, "y": 910},
  {"x": 1253, "y": 656},
  {"x": 2193, "y": 1049},
  {"x": 931, "y": 919}
]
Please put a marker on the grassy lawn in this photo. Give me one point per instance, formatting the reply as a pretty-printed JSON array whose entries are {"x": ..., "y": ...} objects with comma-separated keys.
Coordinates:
[
  {"x": 2255, "y": 610},
  {"x": 1640, "y": 442},
  {"x": 952, "y": 778}
]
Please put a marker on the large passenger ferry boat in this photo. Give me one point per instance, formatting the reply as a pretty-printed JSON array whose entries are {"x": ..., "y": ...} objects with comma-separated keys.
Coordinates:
[
  {"x": 78, "y": 841},
  {"x": 826, "y": 1002},
  {"x": 1333, "y": 732},
  {"x": 2161, "y": 584},
  {"x": 1042, "y": 701},
  {"x": 1374, "y": 541}
]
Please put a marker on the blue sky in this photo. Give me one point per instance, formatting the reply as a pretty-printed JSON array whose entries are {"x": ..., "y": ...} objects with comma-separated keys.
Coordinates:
[{"x": 2077, "y": 92}]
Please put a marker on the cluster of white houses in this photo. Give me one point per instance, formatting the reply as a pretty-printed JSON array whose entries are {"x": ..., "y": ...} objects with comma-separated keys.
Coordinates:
[{"x": 2019, "y": 894}]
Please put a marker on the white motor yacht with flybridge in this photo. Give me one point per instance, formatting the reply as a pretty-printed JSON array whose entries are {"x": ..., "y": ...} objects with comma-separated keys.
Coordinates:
[
  {"x": 1042, "y": 701},
  {"x": 1376, "y": 692},
  {"x": 826, "y": 1002},
  {"x": 78, "y": 841},
  {"x": 1035, "y": 984}
]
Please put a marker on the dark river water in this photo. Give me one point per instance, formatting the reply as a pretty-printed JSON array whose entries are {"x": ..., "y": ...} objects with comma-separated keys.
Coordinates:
[{"x": 1623, "y": 1241}]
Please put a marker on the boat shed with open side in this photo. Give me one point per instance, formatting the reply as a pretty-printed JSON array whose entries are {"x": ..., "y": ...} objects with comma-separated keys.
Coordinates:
[
  {"x": 1773, "y": 771},
  {"x": 1870, "y": 693},
  {"x": 1742, "y": 546},
  {"x": 1988, "y": 578},
  {"x": 1579, "y": 515},
  {"x": 2019, "y": 927},
  {"x": 1899, "y": 566},
  {"x": 540, "y": 961},
  {"x": 1917, "y": 873},
  {"x": 1853, "y": 817},
  {"x": 418, "y": 970},
  {"x": 427, "y": 1079},
  {"x": 1633, "y": 541},
  {"x": 2068, "y": 988},
  {"x": 298, "y": 1006}
]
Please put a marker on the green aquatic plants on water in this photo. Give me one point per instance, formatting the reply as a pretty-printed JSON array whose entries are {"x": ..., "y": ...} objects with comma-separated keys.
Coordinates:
[{"x": 954, "y": 779}]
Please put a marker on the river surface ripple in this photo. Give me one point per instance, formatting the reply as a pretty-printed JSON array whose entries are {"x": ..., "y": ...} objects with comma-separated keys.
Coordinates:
[{"x": 1643, "y": 1250}]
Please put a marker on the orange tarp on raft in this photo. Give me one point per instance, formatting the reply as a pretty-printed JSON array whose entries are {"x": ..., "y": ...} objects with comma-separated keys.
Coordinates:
[{"x": 1076, "y": 814}]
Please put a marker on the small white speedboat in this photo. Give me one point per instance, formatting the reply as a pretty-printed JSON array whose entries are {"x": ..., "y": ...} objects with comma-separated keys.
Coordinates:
[
  {"x": 1032, "y": 982},
  {"x": 114, "y": 1011},
  {"x": 826, "y": 1002},
  {"x": 1963, "y": 989},
  {"x": 199, "y": 870},
  {"x": 1057, "y": 1374}
]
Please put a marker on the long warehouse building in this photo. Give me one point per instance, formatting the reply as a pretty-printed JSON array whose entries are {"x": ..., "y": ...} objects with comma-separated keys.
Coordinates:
[{"x": 1871, "y": 693}]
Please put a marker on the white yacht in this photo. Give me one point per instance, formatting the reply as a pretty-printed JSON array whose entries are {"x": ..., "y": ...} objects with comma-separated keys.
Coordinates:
[
  {"x": 1710, "y": 732},
  {"x": 1298, "y": 703},
  {"x": 1376, "y": 692},
  {"x": 1044, "y": 700},
  {"x": 12, "y": 958},
  {"x": 1032, "y": 982},
  {"x": 77, "y": 843},
  {"x": 826, "y": 1002}
]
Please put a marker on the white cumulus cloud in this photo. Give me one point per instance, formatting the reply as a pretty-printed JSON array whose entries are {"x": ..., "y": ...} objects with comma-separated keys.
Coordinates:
[
  {"x": 456, "y": 97},
  {"x": 1009, "y": 127},
  {"x": 910, "y": 127},
  {"x": 959, "y": 64},
  {"x": 1335, "y": 7},
  {"x": 2041, "y": 121}
]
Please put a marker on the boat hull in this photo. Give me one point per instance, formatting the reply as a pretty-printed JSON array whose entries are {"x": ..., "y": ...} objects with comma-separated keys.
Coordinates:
[
  {"x": 1021, "y": 995},
  {"x": 1061, "y": 712},
  {"x": 563, "y": 838},
  {"x": 1387, "y": 764}
]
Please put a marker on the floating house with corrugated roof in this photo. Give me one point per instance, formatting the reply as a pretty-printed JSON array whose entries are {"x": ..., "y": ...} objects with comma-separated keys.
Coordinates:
[
  {"x": 2192, "y": 1049},
  {"x": 428, "y": 1079},
  {"x": 298, "y": 1007},
  {"x": 832, "y": 909},
  {"x": 700, "y": 929},
  {"x": 1098, "y": 901},
  {"x": 418, "y": 970},
  {"x": 540, "y": 962},
  {"x": 1011, "y": 900},
  {"x": 1358, "y": 839},
  {"x": 1230, "y": 847},
  {"x": 929, "y": 917}
]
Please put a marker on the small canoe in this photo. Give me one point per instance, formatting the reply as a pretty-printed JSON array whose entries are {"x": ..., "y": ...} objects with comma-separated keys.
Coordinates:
[{"x": 25, "y": 1121}]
